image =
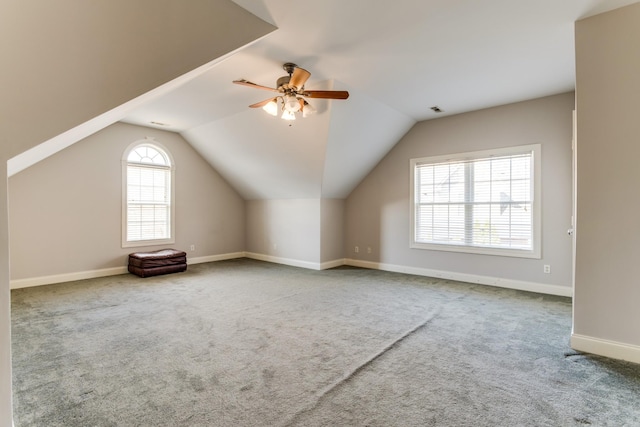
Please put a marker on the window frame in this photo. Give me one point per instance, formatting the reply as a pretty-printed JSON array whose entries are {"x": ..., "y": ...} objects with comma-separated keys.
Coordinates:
[
  {"x": 149, "y": 142},
  {"x": 536, "y": 208}
]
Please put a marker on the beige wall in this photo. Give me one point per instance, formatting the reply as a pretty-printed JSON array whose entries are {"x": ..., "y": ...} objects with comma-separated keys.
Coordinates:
[
  {"x": 65, "y": 211},
  {"x": 377, "y": 211},
  {"x": 301, "y": 232},
  {"x": 72, "y": 60},
  {"x": 5, "y": 304},
  {"x": 332, "y": 230},
  {"x": 284, "y": 230},
  {"x": 608, "y": 132}
]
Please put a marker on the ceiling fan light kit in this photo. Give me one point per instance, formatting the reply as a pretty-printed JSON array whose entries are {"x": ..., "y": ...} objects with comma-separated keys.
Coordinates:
[
  {"x": 291, "y": 103},
  {"x": 292, "y": 94}
]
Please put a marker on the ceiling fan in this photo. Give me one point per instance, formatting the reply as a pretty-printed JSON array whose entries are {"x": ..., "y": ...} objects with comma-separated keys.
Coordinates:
[{"x": 292, "y": 94}]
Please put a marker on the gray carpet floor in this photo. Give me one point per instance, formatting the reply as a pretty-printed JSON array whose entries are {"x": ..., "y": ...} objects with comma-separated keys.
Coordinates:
[{"x": 248, "y": 343}]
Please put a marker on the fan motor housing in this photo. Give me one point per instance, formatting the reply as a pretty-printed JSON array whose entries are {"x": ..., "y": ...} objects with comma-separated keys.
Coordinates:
[{"x": 284, "y": 80}]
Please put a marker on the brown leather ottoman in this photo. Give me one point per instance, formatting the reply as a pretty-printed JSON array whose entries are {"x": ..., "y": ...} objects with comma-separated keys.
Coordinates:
[{"x": 164, "y": 261}]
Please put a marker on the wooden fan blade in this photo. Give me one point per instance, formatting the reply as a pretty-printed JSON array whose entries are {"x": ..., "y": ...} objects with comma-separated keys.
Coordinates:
[
  {"x": 299, "y": 77},
  {"x": 261, "y": 103},
  {"x": 326, "y": 94},
  {"x": 244, "y": 82}
]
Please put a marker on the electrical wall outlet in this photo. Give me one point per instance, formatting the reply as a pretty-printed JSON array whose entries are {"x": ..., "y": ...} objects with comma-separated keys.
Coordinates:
[
  {"x": 356, "y": 249},
  {"x": 368, "y": 249},
  {"x": 192, "y": 248},
  {"x": 547, "y": 268}
]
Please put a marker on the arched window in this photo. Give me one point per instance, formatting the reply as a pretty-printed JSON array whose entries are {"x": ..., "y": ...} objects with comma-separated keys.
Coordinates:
[{"x": 147, "y": 172}]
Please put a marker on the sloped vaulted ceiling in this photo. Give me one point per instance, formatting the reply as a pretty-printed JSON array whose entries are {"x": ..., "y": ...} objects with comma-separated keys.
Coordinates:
[
  {"x": 323, "y": 156},
  {"x": 75, "y": 67},
  {"x": 397, "y": 59}
]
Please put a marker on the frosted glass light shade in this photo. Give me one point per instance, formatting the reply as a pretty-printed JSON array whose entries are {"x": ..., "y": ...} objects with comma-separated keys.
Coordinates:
[
  {"x": 271, "y": 107},
  {"x": 288, "y": 115},
  {"x": 307, "y": 110},
  {"x": 291, "y": 103}
]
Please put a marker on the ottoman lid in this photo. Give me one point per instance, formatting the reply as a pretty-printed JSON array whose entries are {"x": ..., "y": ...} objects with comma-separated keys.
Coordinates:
[{"x": 160, "y": 254}]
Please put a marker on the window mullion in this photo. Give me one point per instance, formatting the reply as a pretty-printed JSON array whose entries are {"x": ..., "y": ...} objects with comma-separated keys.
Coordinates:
[
  {"x": 468, "y": 203},
  {"x": 510, "y": 206}
]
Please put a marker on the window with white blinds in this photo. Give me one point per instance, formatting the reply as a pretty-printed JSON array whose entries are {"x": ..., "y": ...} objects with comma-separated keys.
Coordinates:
[
  {"x": 482, "y": 202},
  {"x": 147, "y": 208}
]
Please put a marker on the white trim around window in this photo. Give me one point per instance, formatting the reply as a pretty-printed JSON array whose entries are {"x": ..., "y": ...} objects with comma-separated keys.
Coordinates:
[
  {"x": 484, "y": 202},
  {"x": 148, "y": 194}
]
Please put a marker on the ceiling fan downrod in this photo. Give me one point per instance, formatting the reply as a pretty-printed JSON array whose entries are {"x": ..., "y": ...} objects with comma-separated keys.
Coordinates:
[{"x": 289, "y": 67}]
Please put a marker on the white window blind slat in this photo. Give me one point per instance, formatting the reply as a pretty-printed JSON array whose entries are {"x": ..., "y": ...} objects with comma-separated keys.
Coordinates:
[
  {"x": 484, "y": 202},
  {"x": 148, "y": 198}
]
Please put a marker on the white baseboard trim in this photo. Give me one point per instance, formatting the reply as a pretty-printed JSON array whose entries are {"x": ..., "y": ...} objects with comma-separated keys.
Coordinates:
[
  {"x": 332, "y": 264},
  {"x": 213, "y": 258},
  {"x": 612, "y": 349},
  {"x": 113, "y": 271},
  {"x": 66, "y": 277},
  {"x": 565, "y": 291},
  {"x": 295, "y": 262},
  {"x": 286, "y": 261},
  {"x": 462, "y": 277}
]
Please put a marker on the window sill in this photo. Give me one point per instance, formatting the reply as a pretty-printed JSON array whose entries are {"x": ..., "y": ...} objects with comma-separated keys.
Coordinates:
[
  {"x": 139, "y": 243},
  {"x": 516, "y": 253}
]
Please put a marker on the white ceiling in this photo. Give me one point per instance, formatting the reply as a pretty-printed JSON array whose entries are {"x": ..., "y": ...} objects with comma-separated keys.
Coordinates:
[{"x": 396, "y": 58}]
